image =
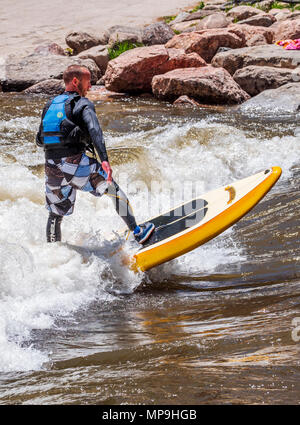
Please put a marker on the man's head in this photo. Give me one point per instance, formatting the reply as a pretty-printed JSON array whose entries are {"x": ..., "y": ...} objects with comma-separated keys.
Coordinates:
[{"x": 77, "y": 78}]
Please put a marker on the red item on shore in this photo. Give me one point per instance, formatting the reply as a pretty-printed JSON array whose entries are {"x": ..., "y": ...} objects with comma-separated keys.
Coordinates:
[{"x": 289, "y": 44}]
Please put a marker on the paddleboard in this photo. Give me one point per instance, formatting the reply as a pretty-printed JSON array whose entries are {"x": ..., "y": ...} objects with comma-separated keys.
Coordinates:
[{"x": 194, "y": 223}]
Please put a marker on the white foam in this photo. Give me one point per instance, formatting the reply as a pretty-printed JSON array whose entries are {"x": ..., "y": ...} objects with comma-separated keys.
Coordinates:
[{"x": 39, "y": 282}]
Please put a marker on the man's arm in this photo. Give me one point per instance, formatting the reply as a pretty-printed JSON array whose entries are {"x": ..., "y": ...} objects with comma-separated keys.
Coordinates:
[{"x": 91, "y": 122}]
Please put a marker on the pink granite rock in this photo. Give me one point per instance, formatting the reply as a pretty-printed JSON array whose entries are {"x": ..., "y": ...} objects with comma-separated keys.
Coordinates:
[
  {"x": 207, "y": 84},
  {"x": 133, "y": 70}
]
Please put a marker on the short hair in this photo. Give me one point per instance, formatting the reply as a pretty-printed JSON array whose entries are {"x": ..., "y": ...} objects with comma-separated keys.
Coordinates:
[{"x": 74, "y": 71}]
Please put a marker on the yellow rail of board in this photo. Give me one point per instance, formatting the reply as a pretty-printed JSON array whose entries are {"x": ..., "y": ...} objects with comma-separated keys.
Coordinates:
[{"x": 158, "y": 254}]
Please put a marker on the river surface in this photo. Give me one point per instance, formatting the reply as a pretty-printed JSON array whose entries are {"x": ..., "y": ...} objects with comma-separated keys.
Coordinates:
[{"x": 219, "y": 325}]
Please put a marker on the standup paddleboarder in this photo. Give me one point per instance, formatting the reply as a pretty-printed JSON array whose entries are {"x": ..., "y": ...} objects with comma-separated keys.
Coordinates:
[{"x": 69, "y": 126}]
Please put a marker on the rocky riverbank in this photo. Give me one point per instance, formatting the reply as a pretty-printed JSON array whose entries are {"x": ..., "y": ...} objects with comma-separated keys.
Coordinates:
[{"x": 208, "y": 55}]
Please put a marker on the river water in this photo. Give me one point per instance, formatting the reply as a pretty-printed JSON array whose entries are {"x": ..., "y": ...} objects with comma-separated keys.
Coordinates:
[{"x": 219, "y": 325}]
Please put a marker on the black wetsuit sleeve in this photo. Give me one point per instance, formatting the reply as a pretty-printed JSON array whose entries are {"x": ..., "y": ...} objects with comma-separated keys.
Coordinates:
[{"x": 91, "y": 122}]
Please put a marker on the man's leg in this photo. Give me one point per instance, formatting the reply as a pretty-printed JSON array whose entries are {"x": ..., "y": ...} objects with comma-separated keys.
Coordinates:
[
  {"x": 60, "y": 198},
  {"x": 123, "y": 208},
  {"x": 122, "y": 205},
  {"x": 53, "y": 231},
  {"x": 90, "y": 177}
]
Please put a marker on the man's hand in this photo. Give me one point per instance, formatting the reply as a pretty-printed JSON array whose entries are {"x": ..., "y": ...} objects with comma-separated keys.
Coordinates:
[{"x": 106, "y": 167}]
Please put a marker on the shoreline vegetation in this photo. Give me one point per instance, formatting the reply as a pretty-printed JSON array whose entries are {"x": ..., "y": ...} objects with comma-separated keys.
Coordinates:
[{"x": 214, "y": 53}]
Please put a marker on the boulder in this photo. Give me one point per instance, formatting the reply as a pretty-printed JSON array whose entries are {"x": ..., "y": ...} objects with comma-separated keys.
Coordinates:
[
  {"x": 179, "y": 18},
  {"x": 49, "y": 49},
  {"x": 185, "y": 101},
  {"x": 268, "y": 55},
  {"x": 255, "y": 79},
  {"x": 49, "y": 87},
  {"x": 215, "y": 20},
  {"x": 200, "y": 14},
  {"x": 120, "y": 33},
  {"x": 294, "y": 16},
  {"x": 188, "y": 26},
  {"x": 133, "y": 70},
  {"x": 99, "y": 54},
  {"x": 243, "y": 12},
  {"x": 213, "y": 7},
  {"x": 285, "y": 99},
  {"x": 254, "y": 35},
  {"x": 121, "y": 37},
  {"x": 280, "y": 14},
  {"x": 266, "y": 5},
  {"x": 207, "y": 84},
  {"x": 159, "y": 33},
  {"x": 289, "y": 28},
  {"x": 207, "y": 42},
  {"x": 261, "y": 20},
  {"x": 23, "y": 73},
  {"x": 79, "y": 41}
]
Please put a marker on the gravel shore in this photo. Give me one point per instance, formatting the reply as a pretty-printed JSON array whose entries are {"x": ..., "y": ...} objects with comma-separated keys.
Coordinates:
[{"x": 28, "y": 23}]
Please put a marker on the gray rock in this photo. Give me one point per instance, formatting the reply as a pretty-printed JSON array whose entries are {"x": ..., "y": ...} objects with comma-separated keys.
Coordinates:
[
  {"x": 211, "y": 7},
  {"x": 122, "y": 28},
  {"x": 159, "y": 33},
  {"x": 261, "y": 20},
  {"x": 99, "y": 54},
  {"x": 280, "y": 14},
  {"x": 287, "y": 28},
  {"x": 23, "y": 73},
  {"x": 243, "y": 12},
  {"x": 215, "y": 20},
  {"x": 198, "y": 15},
  {"x": 180, "y": 18},
  {"x": 266, "y": 5},
  {"x": 50, "y": 87},
  {"x": 121, "y": 37},
  {"x": 285, "y": 99},
  {"x": 187, "y": 26},
  {"x": 294, "y": 16},
  {"x": 267, "y": 55},
  {"x": 255, "y": 79},
  {"x": 79, "y": 40},
  {"x": 49, "y": 49}
]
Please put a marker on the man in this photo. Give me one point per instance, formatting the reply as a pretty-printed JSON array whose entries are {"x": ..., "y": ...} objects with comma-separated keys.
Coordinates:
[{"x": 69, "y": 126}]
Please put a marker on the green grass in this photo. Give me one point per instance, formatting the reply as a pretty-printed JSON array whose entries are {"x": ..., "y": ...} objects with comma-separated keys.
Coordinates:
[
  {"x": 169, "y": 19},
  {"x": 275, "y": 5},
  {"x": 199, "y": 7},
  {"x": 279, "y": 5},
  {"x": 122, "y": 47}
]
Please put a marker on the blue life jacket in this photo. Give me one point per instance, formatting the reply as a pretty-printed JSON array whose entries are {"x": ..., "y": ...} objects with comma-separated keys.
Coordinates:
[{"x": 58, "y": 129}]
